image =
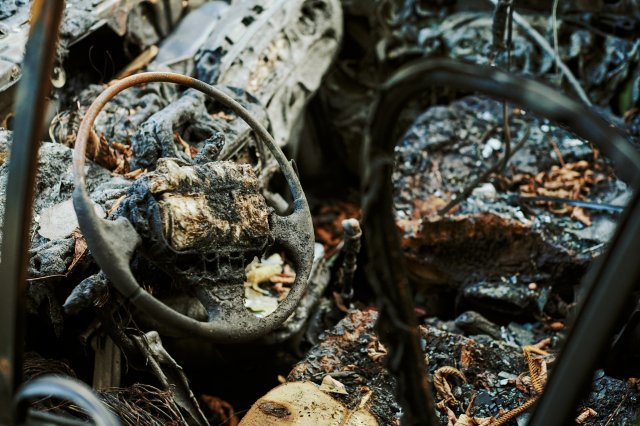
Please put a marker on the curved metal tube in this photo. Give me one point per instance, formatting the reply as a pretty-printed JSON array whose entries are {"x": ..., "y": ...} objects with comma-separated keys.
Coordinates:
[
  {"x": 610, "y": 282},
  {"x": 113, "y": 242},
  {"x": 30, "y": 111},
  {"x": 65, "y": 389}
]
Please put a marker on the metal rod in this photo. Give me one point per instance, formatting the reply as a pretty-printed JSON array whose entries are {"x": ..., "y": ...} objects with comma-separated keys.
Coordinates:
[{"x": 30, "y": 113}]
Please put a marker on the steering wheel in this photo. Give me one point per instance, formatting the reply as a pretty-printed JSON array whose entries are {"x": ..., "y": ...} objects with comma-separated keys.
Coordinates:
[{"x": 113, "y": 242}]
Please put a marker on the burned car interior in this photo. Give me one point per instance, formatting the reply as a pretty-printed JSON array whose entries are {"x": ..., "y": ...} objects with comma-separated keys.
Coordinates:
[{"x": 310, "y": 212}]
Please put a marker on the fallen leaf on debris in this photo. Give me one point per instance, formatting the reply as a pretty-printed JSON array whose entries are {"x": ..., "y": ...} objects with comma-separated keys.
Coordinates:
[
  {"x": 465, "y": 356},
  {"x": 328, "y": 224},
  {"x": 101, "y": 152},
  {"x": 427, "y": 208},
  {"x": 376, "y": 350},
  {"x": 556, "y": 326},
  {"x": 570, "y": 180},
  {"x": 115, "y": 206},
  {"x": 283, "y": 278},
  {"x": 80, "y": 249},
  {"x": 59, "y": 220},
  {"x": 267, "y": 283},
  {"x": 261, "y": 271},
  {"x": 329, "y": 384},
  {"x": 189, "y": 150},
  {"x": 135, "y": 174},
  {"x": 222, "y": 115},
  {"x": 466, "y": 419},
  {"x": 578, "y": 213},
  {"x": 585, "y": 414}
]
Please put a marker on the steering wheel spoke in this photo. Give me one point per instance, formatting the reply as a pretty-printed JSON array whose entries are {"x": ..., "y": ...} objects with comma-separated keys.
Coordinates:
[{"x": 286, "y": 232}]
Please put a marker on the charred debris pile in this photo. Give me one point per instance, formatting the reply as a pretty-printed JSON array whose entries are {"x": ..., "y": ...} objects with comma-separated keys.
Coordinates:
[{"x": 249, "y": 250}]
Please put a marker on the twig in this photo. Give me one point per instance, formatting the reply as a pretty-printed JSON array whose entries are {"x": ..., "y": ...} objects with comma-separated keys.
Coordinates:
[
  {"x": 506, "y": 135},
  {"x": 554, "y": 23},
  {"x": 46, "y": 277},
  {"x": 518, "y": 19},
  {"x": 496, "y": 166},
  {"x": 556, "y": 150},
  {"x": 499, "y": 28},
  {"x": 139, "y": 62},
  {"x": 615, "y": 412}
]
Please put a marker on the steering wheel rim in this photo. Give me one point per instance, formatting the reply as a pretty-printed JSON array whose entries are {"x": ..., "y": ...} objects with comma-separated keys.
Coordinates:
[{"x": 113, "y": 243}]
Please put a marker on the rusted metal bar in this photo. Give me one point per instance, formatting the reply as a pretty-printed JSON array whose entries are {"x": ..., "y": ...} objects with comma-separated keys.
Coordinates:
[{"x": 30, "y": 112}]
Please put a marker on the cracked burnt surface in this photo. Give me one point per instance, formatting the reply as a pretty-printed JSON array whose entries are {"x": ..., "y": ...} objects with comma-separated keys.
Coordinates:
[{"x": 494, "y": 371}]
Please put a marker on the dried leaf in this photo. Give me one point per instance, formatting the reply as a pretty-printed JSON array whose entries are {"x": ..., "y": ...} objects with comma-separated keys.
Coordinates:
[
  {"x": 222, "y": 409},
  {"x": 329, "y": 384},
  {"x": 99, "y": 150},
  {"x": 223, "y": 115},
  {"x": 465, "y": 356},
  {"x": 59, "y": 220},
  {"x": 579, "y": 214},
  {"x": 283, "y": 278},
  {"x": 115, "y": 205},
  {"x": 556, "y": 326},
  {"x": 185, "y": 146},
  {"x": 465, "y": 420},
  {"x": 135, "y": 174},
  {"x": 80, "y": 249},
  {"x": 376, "y": 350},
  {"x": 261, "y": 271},
  {"x": 585, "y": 414}
]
